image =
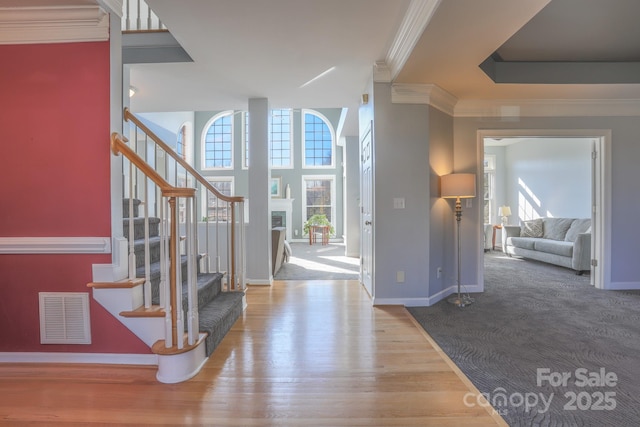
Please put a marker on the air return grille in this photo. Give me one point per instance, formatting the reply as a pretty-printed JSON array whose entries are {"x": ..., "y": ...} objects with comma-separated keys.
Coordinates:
[{"x": 64, "y": 318}]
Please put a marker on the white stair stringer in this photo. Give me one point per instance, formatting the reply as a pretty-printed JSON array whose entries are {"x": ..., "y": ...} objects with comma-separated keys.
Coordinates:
[
  {"x": 175, "y": 368},
  {"x": 117, "y": 300}
]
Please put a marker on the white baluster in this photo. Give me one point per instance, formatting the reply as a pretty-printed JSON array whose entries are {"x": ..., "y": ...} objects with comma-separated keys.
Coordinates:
[{"x": 147, "y": 248}]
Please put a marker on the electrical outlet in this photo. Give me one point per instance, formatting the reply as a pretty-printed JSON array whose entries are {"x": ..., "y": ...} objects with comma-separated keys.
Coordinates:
[
  {"x": 439, "y": 273},
  {"x": 400, "y": 276}
]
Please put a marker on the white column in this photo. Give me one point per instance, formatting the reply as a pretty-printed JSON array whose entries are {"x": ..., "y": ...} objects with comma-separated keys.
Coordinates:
[{"x": 258, "y": 238}]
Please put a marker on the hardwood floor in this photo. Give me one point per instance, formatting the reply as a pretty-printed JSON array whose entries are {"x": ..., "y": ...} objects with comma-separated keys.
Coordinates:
[{"x": 306, "y": 353}]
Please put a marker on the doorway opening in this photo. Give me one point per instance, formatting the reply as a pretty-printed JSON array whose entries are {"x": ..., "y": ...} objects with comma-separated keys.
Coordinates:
[{"x": 546, "y": 174}]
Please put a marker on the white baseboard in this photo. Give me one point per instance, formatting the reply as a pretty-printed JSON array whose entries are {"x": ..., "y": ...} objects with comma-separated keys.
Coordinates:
[
  {"x": 623, "y": 286},
  {"x": 407, "y": 302},
  {"x": 100, "y": 358},
  {"x": 426, "y": 301},
  {"x": 259, "y": 282}
]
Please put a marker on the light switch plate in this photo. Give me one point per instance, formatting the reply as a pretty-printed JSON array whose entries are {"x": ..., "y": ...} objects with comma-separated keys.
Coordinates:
[{"x": 398, "y": 203}]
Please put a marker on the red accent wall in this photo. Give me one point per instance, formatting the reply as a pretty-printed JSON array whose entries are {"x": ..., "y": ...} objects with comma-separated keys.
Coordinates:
[{"x": 55, "y": 170}]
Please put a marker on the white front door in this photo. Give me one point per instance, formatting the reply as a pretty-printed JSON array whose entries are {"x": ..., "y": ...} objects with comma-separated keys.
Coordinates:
[{"x": 366, "y": 221}]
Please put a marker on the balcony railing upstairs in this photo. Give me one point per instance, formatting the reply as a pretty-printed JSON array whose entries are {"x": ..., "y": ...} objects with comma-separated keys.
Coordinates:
[{"x": 138, "y": 16}]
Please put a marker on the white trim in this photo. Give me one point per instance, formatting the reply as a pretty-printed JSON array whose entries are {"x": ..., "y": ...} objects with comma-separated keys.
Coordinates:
[
  {"x": 425, "y": 301},
  {"x": 430, "y": 94},
  {"x": 303, "y": 139},
  {"x": 547, "y": 108},
  {"x": 176, "y": 368},
  {"x": 603, "y": 252},
  {"x": 414, "y": 23},
  {"x": 244, "y": 115},
  {"x": 118, "y": 269},
  {"x": 53, "y": 24},
  {"x": 101, "y": 358},
  {"x": 259, "y": 282},
  {"x": 381, "y": 72},
  {"x": 55, "y": 245}
]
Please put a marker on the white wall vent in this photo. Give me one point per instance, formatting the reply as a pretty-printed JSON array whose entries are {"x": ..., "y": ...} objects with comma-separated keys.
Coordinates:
[{"x": 64, "y": 318}]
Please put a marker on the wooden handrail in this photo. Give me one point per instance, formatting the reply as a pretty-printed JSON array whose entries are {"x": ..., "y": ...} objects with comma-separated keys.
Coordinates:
[
  {"x": 129, "y": 116},
  {"x": 118, "y": 145}
]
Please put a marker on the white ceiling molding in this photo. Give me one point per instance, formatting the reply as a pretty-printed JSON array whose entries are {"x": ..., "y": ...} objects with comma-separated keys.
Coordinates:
[
  {"x": 381, "y": 72},
  {"x": 509, "y": 108},
  {"x": 53, "y": 24},
  {"x": 415, "y": 21},
  {"x": 430, "y": 94}
]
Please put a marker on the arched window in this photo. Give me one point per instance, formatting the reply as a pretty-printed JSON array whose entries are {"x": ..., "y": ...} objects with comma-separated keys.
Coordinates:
[
  {"x": 217, "y": 142},
  {"x": 318, "y": 141}
]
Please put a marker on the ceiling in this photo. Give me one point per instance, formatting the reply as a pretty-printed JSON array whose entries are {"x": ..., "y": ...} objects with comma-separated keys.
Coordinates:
[{"x": 321, "y": 53}]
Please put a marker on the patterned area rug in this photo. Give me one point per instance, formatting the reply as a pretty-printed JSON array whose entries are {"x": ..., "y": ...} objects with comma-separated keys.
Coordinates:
[
  {"x": 544, "y": 346},
  {"x": 319, "y": 262}
]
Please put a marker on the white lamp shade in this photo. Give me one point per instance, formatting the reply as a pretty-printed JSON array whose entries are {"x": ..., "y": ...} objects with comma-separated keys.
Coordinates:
[
  {"x": 504, "y": 211},
  {"x": 456, "y": 185}
]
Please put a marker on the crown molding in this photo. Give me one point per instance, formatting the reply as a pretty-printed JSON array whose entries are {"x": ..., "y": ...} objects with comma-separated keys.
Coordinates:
[
  {"x": 381, "y": 72},
  {"x": 511, "y": 108},
  {"x": 53, "y": 24},
  {"x": 415, "y": 21},
  {"x": 55, "y": 245},
  {"x": 430, "y": 94}
]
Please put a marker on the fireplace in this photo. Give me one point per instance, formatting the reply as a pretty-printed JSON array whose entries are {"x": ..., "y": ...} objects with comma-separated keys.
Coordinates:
[{"x": 278, "y": 219}]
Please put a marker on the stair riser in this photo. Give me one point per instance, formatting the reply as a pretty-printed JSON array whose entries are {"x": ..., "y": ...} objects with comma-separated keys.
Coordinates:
[
  {"x": 154, "y": 252},
  {"x": 138, "y": 228},
  {"x": 125, "y": 207}
]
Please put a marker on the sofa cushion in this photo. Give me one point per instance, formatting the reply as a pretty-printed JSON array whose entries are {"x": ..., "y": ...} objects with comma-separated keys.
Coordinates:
[
  {"x": 578, "y": 226},
  {"x": 531, "y": 228},
  {"x": 556, "y": 228},
  {"x": 555, "y": 247},
  {"x": 522, "y": 242}
]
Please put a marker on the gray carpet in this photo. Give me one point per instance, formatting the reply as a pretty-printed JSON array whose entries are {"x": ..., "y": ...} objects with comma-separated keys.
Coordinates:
[
  {"x": 318, "y": 262},
  {"x": 533, "y": 315}
]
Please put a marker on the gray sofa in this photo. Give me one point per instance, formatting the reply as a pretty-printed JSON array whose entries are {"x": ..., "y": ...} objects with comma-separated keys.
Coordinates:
[{"x": 561, "y": 241}]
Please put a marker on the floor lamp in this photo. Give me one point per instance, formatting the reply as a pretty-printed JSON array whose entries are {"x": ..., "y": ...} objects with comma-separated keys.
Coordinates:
[{"x": 458, "y": 186}]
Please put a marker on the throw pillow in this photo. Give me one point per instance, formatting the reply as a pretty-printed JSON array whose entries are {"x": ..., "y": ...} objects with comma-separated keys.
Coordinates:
[{"x": 531, "y": 228}]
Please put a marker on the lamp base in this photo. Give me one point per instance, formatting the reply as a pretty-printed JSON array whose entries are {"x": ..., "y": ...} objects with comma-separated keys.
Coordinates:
[{"x": 461, "y": 301}]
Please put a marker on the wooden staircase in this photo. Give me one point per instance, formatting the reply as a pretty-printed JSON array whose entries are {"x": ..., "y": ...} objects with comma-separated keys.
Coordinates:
[
  {"x": 173, "y": 297},
  {"x": 218, "y": 310}
]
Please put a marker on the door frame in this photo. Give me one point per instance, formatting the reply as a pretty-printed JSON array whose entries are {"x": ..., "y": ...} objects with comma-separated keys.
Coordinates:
[
  {"x": 601, "y": 189},
  {"x": 370, "y": 287}
]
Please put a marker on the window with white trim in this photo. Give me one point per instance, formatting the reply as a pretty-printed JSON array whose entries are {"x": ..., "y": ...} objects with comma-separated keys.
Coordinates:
[
  {"x": 318, "y": 140},
  {"x": 319, "y": 196},
  {"x": 217, "y": 210},
  {"x": 489, "y": 187},
  {"x": 280, "y": 152},
  {"x": 217, "y": 144}
]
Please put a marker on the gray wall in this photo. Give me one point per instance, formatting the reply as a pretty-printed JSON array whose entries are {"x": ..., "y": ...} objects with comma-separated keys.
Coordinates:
[{"x": 401, "y": 169}]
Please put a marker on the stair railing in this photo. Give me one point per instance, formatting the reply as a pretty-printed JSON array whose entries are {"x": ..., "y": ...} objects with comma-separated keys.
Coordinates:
[
  {"x": 228, "y": 221},
  {"x": 171, "y": 196}
]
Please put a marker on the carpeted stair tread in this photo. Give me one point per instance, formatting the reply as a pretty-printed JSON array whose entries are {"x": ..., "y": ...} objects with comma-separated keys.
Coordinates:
[{"x": 218, "y": 316}]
